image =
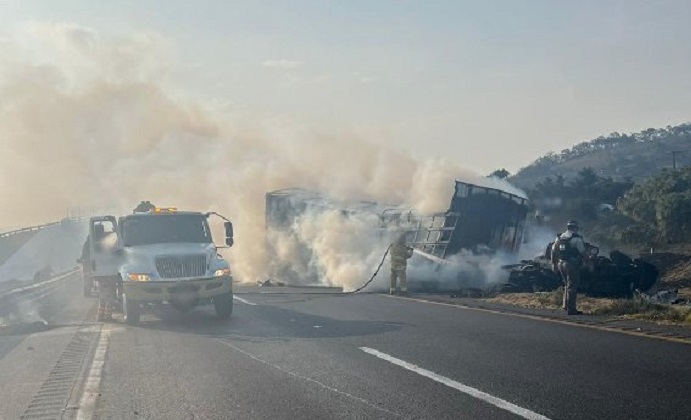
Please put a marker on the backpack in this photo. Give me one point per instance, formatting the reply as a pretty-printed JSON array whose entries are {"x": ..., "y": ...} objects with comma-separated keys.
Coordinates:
[{"x": 564, "y": 250}]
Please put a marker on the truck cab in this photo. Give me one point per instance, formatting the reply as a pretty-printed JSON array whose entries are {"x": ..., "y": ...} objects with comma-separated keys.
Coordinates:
[{"x": 162, "y": 255}]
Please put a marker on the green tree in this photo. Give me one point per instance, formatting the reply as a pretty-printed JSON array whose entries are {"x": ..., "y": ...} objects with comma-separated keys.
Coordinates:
[
  {"x": 500, "y": 173},
  {"x": 662, "y": 203},
  {"x": 586, "y": 182}
]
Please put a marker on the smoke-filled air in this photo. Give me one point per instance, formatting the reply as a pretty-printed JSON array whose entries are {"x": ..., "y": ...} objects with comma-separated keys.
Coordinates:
[{"x": 88, "y": 120}]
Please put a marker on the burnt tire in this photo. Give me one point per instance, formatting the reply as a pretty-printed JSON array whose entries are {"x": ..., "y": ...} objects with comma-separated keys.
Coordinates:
[
  {"x": 223, "y": 305},
  {"x": 131, "y": 310}
]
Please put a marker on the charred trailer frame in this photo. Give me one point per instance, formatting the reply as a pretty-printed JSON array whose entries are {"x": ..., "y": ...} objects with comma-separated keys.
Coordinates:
[
  {"x": 489, "y": 217},
  {"x": 480, "y": 220},
  {"x": 284, "y": 208}
]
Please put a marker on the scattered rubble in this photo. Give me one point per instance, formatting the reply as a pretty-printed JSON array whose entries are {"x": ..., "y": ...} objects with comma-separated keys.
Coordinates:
[
  {"x": 269, "y": 283},
  {"x": 666, "y": 297},
  {"x": 675, "y": 273},
  {"x": 615, "y": 276}
]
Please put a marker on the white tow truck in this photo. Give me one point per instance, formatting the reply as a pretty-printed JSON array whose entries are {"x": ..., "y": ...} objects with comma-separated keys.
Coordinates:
[{"x": 160, "y": 255}]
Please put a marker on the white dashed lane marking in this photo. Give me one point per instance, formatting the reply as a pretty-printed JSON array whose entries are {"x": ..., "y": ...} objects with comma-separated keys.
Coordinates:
[
  {"x": 245, "y": 301},
  {"x": 476, "y": 393}
]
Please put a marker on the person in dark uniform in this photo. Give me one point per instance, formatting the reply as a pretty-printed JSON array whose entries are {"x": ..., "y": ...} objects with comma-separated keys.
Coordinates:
[{"x": 567, "y": 258}]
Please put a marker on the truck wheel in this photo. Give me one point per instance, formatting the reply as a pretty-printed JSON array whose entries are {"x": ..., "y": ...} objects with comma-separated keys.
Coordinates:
[
  {"x": 223, "y": 305},
  {"x": 131, "y": 310}
]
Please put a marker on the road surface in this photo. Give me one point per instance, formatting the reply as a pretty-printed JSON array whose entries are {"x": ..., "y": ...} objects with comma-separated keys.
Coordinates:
[{"x": 304, "y": 355}]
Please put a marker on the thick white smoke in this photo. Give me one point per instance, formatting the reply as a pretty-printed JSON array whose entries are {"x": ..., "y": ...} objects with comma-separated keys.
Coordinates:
[
  {"x": 345, "y": 248},
  {"x": 92, "y": 120},
  {"x": 461, "y": 271}
]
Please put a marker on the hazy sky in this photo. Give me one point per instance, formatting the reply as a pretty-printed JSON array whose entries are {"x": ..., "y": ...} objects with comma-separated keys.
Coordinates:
[{"x": 486, "y": 83}]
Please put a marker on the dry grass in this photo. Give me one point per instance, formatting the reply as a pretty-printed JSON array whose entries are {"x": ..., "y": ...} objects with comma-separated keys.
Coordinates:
[
  {"x": 678, "y": 276},
  {"x": 550, "y": 300},
  {"x": 638, "y": 308},
  {"x": 635, "y": 308},
  {"x": 685, "y": 292},
  {"x": 527, "y": 300}
]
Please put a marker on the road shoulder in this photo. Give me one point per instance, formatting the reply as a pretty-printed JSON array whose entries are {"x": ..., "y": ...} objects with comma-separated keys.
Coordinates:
[{"x": 606, "y": 323}]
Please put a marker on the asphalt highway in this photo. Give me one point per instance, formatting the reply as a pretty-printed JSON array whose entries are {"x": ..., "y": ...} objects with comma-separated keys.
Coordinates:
[{"x": 305, "y": 355}]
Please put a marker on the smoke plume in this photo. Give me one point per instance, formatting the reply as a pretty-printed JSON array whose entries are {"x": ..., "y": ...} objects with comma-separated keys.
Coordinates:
[{"x": 92, "y": 120}]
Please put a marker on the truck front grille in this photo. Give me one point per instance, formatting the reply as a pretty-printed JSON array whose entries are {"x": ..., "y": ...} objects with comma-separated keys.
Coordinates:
[{"x": 181, "y": 266}]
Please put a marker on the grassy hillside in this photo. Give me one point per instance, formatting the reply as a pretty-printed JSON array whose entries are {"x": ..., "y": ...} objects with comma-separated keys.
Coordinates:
[{"x": 620, "y": 156}]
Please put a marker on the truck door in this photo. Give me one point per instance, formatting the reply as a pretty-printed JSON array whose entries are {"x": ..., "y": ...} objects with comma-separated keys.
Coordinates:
[{"x": 105, "y": 245}]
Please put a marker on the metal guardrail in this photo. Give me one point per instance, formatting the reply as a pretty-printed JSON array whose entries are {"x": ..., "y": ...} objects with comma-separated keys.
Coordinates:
[
  {"x": 43, "y": 226},
  {"x": 27, "y": 229},
  {"x": 33, "y": 292},
  {"x": 39, "y": 285}
]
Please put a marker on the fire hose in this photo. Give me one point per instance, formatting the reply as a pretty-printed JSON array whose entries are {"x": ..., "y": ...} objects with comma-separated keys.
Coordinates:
[
  {"x": 375, "y": 272},
  {"x": 359, "y": 289}
]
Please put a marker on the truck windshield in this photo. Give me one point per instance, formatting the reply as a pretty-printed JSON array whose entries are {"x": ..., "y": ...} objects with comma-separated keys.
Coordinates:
[{"x": 147, "y": 229}]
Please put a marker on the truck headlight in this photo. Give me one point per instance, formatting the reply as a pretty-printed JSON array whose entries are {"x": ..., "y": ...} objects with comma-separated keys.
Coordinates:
[
  {"x": 222, "y": 272},
  {"x": 139, "y": 277}
]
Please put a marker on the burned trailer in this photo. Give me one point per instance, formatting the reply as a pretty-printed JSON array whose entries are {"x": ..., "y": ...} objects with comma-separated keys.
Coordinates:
[
  {"x": 457, "y": 250},
  {"x": 288, "y": 256},
  {"x": 295, "y": 251},
  {"x": 479, "y": 221}
]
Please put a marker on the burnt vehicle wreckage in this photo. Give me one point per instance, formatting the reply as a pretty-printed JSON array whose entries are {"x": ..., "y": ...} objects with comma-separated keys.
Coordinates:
[
  {"x": 615, "y": 276},
  {"x": 480, "y": 222}
]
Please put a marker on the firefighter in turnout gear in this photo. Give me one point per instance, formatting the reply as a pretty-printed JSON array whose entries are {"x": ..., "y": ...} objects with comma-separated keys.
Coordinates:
[
  {"x": 400, "y": 253},
  {"x": 107, "y": 287},
  {"x": 568, "y": 252}
]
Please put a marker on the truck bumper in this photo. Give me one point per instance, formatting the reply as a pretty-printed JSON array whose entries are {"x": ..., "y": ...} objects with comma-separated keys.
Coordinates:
[{"x": 200, "y": 291}]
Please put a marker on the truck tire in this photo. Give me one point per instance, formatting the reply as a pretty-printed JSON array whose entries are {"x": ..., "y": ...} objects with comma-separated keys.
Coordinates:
[
  {"x": 131, "y": 310},
  {"x": 223, "y": 305}
]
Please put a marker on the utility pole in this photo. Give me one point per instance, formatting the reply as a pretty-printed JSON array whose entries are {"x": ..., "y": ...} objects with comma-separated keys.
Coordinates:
[{"x": 674, "y": 158}]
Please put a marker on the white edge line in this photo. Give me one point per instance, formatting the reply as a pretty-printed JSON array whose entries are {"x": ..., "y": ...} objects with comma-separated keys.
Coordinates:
[
  {"x": 476, "y": 393},
  {"x": 246, "y": 302},
  {"x": 87, "y": 403}
]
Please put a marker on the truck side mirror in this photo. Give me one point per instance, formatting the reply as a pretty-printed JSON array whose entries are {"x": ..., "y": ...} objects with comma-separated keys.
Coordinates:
[{"x": 229, "y": 233}]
